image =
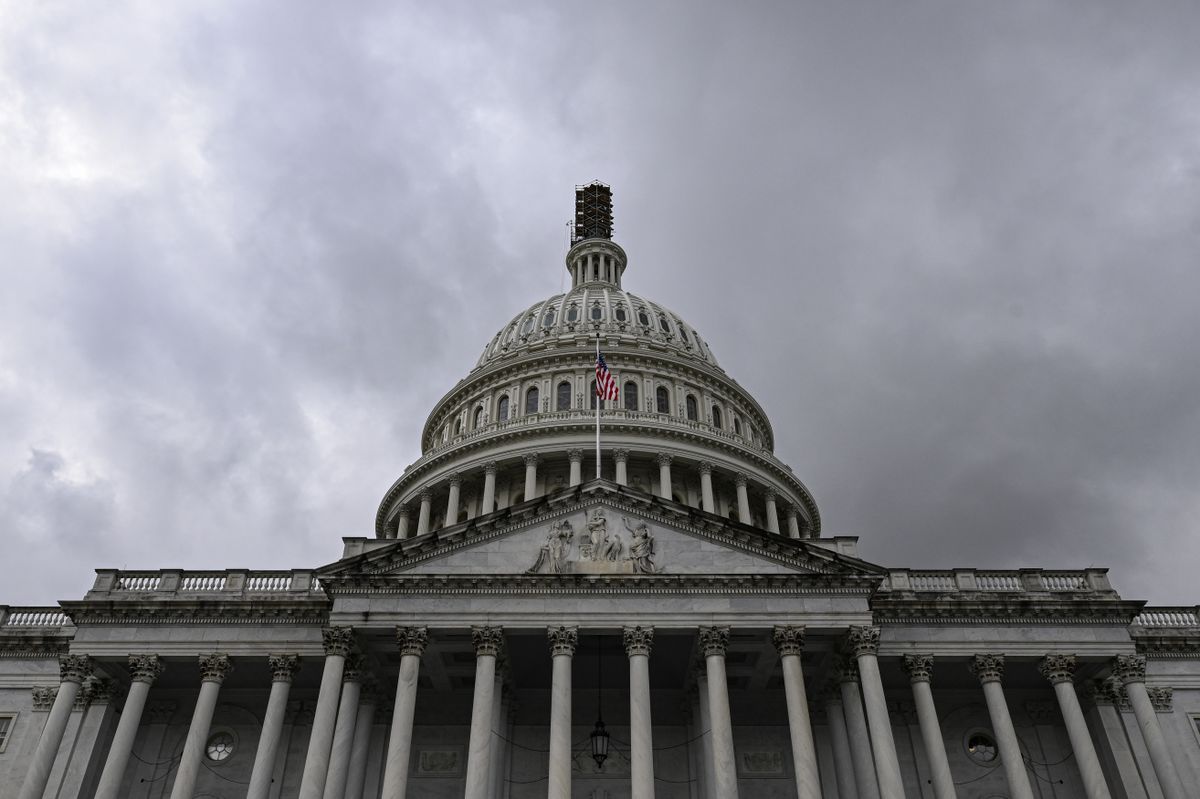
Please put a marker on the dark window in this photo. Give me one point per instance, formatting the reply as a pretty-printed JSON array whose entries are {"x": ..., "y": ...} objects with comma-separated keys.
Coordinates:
[
  {"x": 662, "y": 399},
  {"x": 502, "y": 409},
  {"x": 548, "y": 319},
  {"x": 620, "y": 313},
  {"x": 528, "y": 326},
  {"x": 573, "y": 313},
  {"x": 692, "y": 409},
  {"x": 478, "y": 418},
  {"x": 682, "y": 333},
  {"x": 597, "y": 313},
  {"x": 662, "y": 322},
  {"x": 563, "y": 401},
  {"x": 593, "y": 394},
  {"x": 531, "y": 401},
  {"x": 716, "y": 417},
  {"x": 631, "y": 396},
  {"x": 737, "y": 425},
  {"x": 643, "y": 318},
  {"x": 457, "y": 426}
]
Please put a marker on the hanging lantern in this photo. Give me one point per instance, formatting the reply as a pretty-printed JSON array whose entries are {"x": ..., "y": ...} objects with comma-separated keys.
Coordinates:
[{"x": 599, "y": 744}]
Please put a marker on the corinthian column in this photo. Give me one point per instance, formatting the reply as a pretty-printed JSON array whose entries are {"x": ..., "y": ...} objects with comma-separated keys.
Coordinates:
[
  {"x": 864, "y": 644},
  {"x": 368, "y": 699},
  {"x": 575, "y": 456},
  {"x": 488, "y": 503},
  {"x": 213, "y": 671},
  {"x": 707, "y": 504},
  {"x": 789, "y": 641},
  {"x": 920, "y": 672},
  {"x": 843, "y": 764},
  {"x": 143, "y": 670},
  {"x": 343, "y": 733},
  {"x": 562, "y": 648},
  {"x": 772, "y": 512},
  {"x": 531, "y": 464},
  {"x": 1060, "y": 671},
  {"x": 621, "y": 459},
  {"x": 1130, "y": 670},
  {"x": 743, "y": 499},
  {"x": 338, "y": 641},
  {"x": 412, "y": 641},
  {"x": 424, "y": 512},
  {"x": 638, "y": 641},
  {"x": 990, "y": 669},
  {"x": 664, "y": 474},
  {"x": 487, "y": 645},
  {"x": 713, "y": 642},
  {"x": 856, "y": 730},
  {"x": 455, "y": 484},
  {"x": 283, "y": 669},
  {"x": 72, "y": 671}
]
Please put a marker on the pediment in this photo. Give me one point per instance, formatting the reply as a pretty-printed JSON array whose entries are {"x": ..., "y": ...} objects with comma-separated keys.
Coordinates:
[{"x": 598, "y": 530}]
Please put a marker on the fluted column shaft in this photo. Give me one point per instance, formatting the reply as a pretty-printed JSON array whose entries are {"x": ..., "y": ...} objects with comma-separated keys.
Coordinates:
[
  {"x": 531, "y": 464},
  {"x": 864, "y": 641},
  {"x": 1060, "y": 671},
  {"x": 707, "y": 503},
  {"x": 213, "y": 669},
  {"x": 638, "y": 642},
  {"x": 793, "y": 522},
  {"x": 664, "y": 475},
  {"x": 713, "y": 642},
  {"x": 857, "y": 731},
  {"x": 73, "y": 669},
  {"x": 144, "y": 670},
  {"x": 576, "y": 458},
  {"x": 989, "y": 669},
  {"x": 423, "y": 513},
  {"x": 562, "y": 649},
  {"x": 283, "y": 668},
  {"x": 1131, "y": 671},
  {"x": 843, "y": 764},
  {"x": 487, "y": 646},
  {"x": 710, "y": 773},
  {"x": 621, "y": 459},
  {"x": 772, "y": 513},
  {"x": 920, "y": 672},
  {"x": 789, "y": 641},
  {"x": 488, "y": 502},
  {"x": 343, "y": 732},
  {"x": 402, "y": 522},
  {"x": 338, "y": 643},
  {"x": 452, "y": 500},
  {"x": 412, "y": 641},
  {"x": 743, "y": 499},
  {"x": 364, "y": 721}
]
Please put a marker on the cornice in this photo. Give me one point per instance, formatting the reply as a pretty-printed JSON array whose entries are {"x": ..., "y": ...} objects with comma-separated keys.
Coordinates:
[
  {"x": 190, "y": 611},
  {"x": 993, "y": 609},
  {"x": 27, "y": 649}
]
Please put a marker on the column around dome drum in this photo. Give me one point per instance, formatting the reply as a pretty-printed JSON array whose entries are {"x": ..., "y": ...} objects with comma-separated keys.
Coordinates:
[
  {"x": 488, "y": 503},
  {"x": 621, "y": 459},
  {"x": 664, "y": 475},
  {"x": 772, "y": 513},
  {"x": 743, "y": 498},
  {"x": 706, "y": 488},
  {"x": 423, "y": 515}
]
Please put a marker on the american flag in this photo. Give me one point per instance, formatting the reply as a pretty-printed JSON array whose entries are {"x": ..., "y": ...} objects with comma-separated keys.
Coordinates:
[{"x": 606, "y": 384}]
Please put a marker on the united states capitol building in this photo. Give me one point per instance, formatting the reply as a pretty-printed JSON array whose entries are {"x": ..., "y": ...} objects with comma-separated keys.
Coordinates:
[{"x": 670, "y": 623}]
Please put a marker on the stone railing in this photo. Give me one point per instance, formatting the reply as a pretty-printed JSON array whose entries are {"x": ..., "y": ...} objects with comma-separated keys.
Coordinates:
[
  {"x": 954, "y": 581},
  {"x": 32, "y": 618},
  {"x": 232, "y": 582},
  {"x": 1168, "y": 617}
]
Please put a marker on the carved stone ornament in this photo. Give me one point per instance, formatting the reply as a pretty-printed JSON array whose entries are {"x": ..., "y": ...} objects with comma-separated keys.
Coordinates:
[
  {"x": 489, "y": 467},
  {"x": 353, "y": 670},
  {"x": 575, "y": 455},
  {"x": 788, "y": 640},
  {"x": 215, "y": 667},
  {"x": 145, "y": 668},
  {"x": 1109, "y": 691},
  {"x": 987, "y": 668},
  {"x": 597, "y": 550},
  {"x": 98, "y": 691},
  {"x": 532, "y": 459},
  {"x": 74, "y": 668},
  {"x": 863, "y": 640},
  {"x": 740, "y": 479},
  {"x": 1129, "y": 668},
  {"x": 1161, "y": 697},
  {"x": 638, "y": 640},
  {"x": 283, "y": 667},
  {"x": 563, "y": 640},
  {"x": 919, "y": 668},
  {"x": 487, "y": 640},
  {"x": 705, "y": 467},
  {"x": 846, "y": 669},
  {"x": 665, "y": 458},
  {"x": 43, "y": 697},
  {"x": 160, "y": 711},
  {"x": 620, "y": 455},
  {"x": 412, "y": 640},
  {"x": 1042, "y": 712},
  {"x": 714, "y": 640},
  {"x": 1058, "y": 668},
  {"x": 338, "y": 640}
]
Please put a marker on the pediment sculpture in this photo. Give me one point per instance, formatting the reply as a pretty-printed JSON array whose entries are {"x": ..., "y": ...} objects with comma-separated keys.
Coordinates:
[{"x": 599, "y": 550}]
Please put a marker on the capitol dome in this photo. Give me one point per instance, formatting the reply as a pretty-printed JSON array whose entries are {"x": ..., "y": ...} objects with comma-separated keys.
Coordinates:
[{"x": 522, "y": 424}]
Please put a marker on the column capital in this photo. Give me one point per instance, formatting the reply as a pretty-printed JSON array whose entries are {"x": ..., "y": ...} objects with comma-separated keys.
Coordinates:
[
  {"x": 1108, "y": 691},
  {"x": 1161, "y": 697},
  {"x": 145, "y": 668},
  {"x": 98, "y": 691},
  {"x": 563, "y": 640},
  {"x": 714, "y": 640},
  {"x": 791, "y": 511},
  {"x": 338, "y": 640},
  {"x": 43, "y": 697},
  {"x": 575, "y": 455},
  {"x": 426, "y": 495},
  {"x": 769, "y": 495},
  {"x": 705, "y": 467},
  {"x": 283, "y": 667},
  {"x": 74, "y": 668},
  {"x": 531, "y": 459},
  {"x": 620, "y": 455},
  {"x": 919, "y": 668},
  {"x": 402, "y": 510},
  {"x": 353, "y": 671},
  {"x": 1129, "y": 668},
  {"x": 1058, "y": 668},
  {"x": 862, "y": 640},
  {"x": 788, "y": 640},
  {"x": 490, "y": 467},
  {"x": 455, "y": 479},
  {"x": 412, "y": 640},
  {"x": 987, "y": 667},
  {"x": 845, "y": 669},
  {"x": 215, "y": 667},
  {"x": 740, "y": 479},
  {"x": 664, "y": 458},
  {"x": 638, "y": 640},
  {"x": 487, "y": 640}
]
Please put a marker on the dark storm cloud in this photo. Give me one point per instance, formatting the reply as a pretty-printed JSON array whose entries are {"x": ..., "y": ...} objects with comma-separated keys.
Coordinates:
[{"x": 951, "y": 251}]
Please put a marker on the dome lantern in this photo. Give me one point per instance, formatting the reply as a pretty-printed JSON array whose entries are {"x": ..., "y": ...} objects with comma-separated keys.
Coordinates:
[{"x": 594, "y": 257}]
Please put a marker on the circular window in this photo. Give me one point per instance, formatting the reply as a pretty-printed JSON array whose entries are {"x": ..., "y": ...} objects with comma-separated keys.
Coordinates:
[
  {"x": 220, "y": 746},
  {"x": 981, "y": 747}
]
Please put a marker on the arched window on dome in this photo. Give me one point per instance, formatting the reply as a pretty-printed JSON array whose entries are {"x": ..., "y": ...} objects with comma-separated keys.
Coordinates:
[
  {"x": 631, "y": 395},
  {"x": 527, "y": 328},
  {"x": 683, "y": 333},
  {"x": 592, "y": 393},
  {"x": 643, "y": 317},
  {"x": 621, "y": 314},
  {"x": 664, "y": 324},
  {"x": 531, "y": 400},
  {"x": 562, "y": 401},
  {"x": 548, "y": 319},
  {"x": 597, "y": 312},
  {"x": 477, "y": 422},
  {"x": 716, "y": 417},
  {"x": 458, "y": 426},
  {"x": 502, "y": 409},
  {"x": 662, "y": 400},
  {"x": 737, "y": 426},
  {"x": 693, "y": 410},
  {"x": 573, "y": 313}
]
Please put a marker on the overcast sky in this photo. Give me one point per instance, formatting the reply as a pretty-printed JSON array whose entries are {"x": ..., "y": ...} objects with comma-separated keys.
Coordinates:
[{"x": 952, "y": 248}]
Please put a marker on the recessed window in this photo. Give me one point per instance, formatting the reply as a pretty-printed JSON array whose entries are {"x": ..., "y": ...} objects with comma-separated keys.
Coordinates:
[
  {"x": 531, "y": 401},
  {"x": 621, "y": 314},
  {"x": 7, "y": 720},
  {"x": 548, "y": 319},
  {"x": 692, "y": 408},
  {"x": 573, "y": 313},
  {"x": 662, "y": 400},
  {"x": 662, "y": 323},
  {"x": 981, "y": 748},
  {"x": 220, "y": 746},
  {"x": 631, "y": 396},
  {"x": 527, "y": 328},
  {"x": 737, "y": 425},
  {"x": 597, "y": 313},
  {"x": 502, "y": 409},
  {"x": 593, "y": 393},
  {"x": 562, "y": 401},
  {"x": 643, "y": 318},
  {"x": 478, "y": 420},
  {"x": 716, "y": 417},
  {"x": 458, "y": 426},
  {"x": 682, "y": 333}
]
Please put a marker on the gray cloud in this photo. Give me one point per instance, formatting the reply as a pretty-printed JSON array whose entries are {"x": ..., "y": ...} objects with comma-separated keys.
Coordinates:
[{"x": 952, "y": 252}]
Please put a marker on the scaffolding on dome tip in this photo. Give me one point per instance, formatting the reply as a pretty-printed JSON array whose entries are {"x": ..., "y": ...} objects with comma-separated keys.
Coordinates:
[{"x": 593, "y": 212}]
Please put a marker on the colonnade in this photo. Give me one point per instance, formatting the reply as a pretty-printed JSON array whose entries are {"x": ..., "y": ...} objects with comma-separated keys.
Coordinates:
[{"x": 860, "y": 730}]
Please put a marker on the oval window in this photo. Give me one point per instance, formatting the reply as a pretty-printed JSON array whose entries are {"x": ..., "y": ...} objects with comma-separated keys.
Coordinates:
[
  {"x": 982, "y": 748},
  {"x": 219, "y": 746}
]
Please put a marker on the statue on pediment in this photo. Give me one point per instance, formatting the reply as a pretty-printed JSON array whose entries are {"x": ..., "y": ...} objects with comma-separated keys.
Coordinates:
[
  {"x": 597, "y": 538},
  {"x": 641, "y": 548},
  {"x": 552, "y": 557}
]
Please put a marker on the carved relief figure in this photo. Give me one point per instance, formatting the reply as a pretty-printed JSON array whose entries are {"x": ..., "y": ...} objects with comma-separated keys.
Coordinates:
[
  {"x": 615, "y": 548},
  {"x": 552, "y": 557},
  {"x": 597, "y": 536},
  {"x": 641, "y": 548}
]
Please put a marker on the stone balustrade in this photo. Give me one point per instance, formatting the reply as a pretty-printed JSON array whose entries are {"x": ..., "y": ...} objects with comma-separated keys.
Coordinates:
[
  {"x": 1020, "y": 581},
  {"x": 228, "y": 583},
  {"x": 32, "y": 618},
  {"x": 1168, "y": 617}
]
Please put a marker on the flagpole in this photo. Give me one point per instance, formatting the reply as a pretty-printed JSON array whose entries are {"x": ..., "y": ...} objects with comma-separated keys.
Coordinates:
[{"x": 599, "y": 399}]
